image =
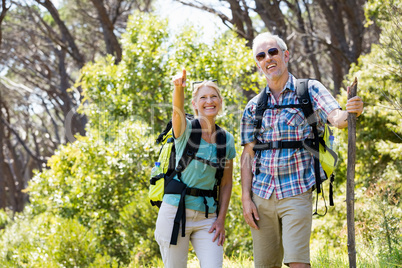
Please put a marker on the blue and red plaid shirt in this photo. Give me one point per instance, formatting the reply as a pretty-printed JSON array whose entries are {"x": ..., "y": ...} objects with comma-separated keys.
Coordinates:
[{"x": 289, "y": 172}]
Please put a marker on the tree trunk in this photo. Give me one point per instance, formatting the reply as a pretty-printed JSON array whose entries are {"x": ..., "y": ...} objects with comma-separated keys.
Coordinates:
[
  {"x": 3, "y": 199},
  {"x": 16, "y": 180},
  {"x": 112, "y": 44},
  {"x": 242, "y": 21},
  {"x": 272, "y": 16},
  {"x": 3, "y": 13}
]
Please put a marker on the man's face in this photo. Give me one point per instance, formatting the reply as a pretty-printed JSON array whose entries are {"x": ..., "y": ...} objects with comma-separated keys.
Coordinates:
[{"x": 274, "y": 64}]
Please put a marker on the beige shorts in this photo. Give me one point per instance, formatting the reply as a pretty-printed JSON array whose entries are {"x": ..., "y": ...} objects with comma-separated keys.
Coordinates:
[{"x": 285, "y": 229}]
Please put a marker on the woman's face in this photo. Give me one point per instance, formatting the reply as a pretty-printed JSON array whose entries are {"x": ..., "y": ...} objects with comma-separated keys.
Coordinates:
[{"x": 207, "y": 102}]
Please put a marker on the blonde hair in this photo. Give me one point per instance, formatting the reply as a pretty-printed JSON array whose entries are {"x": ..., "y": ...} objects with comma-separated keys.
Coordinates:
[{"x": 206, "y": 83}]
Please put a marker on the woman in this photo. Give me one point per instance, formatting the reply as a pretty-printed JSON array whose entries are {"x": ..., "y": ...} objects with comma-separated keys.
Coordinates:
[{"x": 207, "y": 234}]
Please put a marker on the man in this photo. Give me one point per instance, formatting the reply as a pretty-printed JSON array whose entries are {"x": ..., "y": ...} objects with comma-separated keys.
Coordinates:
[{"x": 277, "y": 184}]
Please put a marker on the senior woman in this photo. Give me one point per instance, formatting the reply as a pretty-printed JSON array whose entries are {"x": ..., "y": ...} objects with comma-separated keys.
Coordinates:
[{"x": 204, "y": 223}]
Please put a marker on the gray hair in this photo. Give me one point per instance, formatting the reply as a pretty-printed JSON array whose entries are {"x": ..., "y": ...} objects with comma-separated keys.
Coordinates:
[{"x": 263, "y": 37}]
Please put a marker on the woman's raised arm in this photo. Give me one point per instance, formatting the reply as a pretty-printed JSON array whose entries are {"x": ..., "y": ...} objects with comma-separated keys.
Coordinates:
[{"x": 179, "y": 116}]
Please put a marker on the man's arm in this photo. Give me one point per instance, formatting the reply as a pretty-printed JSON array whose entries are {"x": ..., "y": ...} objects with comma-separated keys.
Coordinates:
[
  {"x": 249, "y": 209},
  {"x": 339, "y": 118}
]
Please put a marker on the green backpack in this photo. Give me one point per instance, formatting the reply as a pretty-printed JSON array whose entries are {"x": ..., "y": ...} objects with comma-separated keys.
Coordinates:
[
  {"x": 319, "y": 146},
  {"x": 163, "y": 182}
]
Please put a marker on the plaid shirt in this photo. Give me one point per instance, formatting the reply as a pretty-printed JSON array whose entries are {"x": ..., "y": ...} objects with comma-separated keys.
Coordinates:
[{"x": 289, "y": 172}]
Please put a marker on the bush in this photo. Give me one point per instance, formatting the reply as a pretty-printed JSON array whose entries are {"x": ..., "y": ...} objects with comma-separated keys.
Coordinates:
[{"x": 50, "y": 241}]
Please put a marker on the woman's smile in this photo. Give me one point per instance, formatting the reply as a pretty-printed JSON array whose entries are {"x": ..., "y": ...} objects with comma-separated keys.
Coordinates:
[{"x": 208, "y": 102}]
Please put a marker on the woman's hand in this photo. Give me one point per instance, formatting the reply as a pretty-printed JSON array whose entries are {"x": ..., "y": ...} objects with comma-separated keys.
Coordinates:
[
  {"x": 219, "y": 227},
  {"x": 179, "y": 80}
]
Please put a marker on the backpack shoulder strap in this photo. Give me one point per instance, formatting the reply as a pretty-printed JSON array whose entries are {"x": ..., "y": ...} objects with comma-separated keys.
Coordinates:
[
  {"x": 221, "y": 159},
  {"x": 304, "y": 98},
  {"x": 192, "y": 146},
  {"x": 164, "y": 132},
  {"x": 220, "y": 152},
  {"x": 169, "y": 127},
  {"x": 307, "y": 107},
  {"x": 261, "y": 107}
]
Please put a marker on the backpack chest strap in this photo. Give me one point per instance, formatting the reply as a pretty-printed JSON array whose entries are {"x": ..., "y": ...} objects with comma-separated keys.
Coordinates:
[
  {"x": 210, "y": 163},
  {"x": 283, "y": 145}
]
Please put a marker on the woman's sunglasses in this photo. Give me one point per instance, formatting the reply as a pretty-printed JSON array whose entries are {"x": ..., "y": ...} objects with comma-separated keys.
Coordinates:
[
  {"x": 272, "y": 52},
  {"x": 199, "y": 82}
]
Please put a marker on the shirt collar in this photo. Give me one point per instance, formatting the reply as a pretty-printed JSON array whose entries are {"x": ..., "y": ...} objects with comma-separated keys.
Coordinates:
[{"x": 290, "y": 84}]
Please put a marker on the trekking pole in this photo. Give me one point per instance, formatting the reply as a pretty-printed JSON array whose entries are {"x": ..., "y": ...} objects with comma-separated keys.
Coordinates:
[{"x": 350, "y": 179}]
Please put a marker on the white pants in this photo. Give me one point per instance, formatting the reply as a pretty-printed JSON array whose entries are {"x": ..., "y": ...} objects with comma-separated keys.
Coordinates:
[{"x": 209, "y": 253}]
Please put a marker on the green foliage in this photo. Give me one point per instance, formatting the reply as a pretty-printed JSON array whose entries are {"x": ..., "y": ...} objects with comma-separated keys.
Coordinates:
[
  {"x": 90, "y": 208},
  {"x": 140, "y": 87},
  {"x": 4, "y": 219},
  {"x": 137, "y": 227},
  {"x": 238, "y": 235},
  {"x": 378, "y": 174},
  {"x": 380, "y": 132},
  {"x": 48, "y": 240},
  {"x": 93, "y": 180},
  {"x": 134, "y": 87},
  {"x": 378, "y": 11},
  {"x": 97, "y": 186}
]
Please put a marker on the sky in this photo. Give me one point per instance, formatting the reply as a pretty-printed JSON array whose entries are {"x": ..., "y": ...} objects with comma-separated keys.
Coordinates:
[{"x": 179, "y": 15}]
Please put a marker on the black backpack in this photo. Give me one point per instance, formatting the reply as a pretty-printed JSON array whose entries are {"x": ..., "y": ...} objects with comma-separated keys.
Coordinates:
[{"x": 318, "y": 146}]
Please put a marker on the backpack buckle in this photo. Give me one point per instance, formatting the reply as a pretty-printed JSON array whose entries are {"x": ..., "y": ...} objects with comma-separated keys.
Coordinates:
[
  {"x": 255, "y": 123},
  {"x": 179, "y": 168},
  {"x": 193, "y": 191},
  {"x": 276, "y": 144}
]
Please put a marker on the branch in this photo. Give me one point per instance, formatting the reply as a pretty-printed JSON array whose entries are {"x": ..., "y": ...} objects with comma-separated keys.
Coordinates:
[
  {"x": 21, "y": 141},
  {"x": 75, "y": 53},
  {"x": 56, "y": 129},
  {"x": 2, "y": 16},
  {"x": 48, "y": 30},
  {"x": 225, "y": 19}
]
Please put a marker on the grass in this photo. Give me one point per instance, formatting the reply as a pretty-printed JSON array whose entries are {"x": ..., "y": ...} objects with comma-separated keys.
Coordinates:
[{"x": 320, "y": 259}]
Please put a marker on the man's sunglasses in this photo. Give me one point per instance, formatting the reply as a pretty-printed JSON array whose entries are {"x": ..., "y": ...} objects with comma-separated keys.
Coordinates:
[
  {"x": 272, "y": 52},
  {"x": 199, "y": 82}
]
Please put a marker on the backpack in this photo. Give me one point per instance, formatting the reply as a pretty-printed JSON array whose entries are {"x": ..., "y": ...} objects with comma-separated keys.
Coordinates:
[
  {"x": 319, "y": 146},
  {"x": 164, "y": 182}
]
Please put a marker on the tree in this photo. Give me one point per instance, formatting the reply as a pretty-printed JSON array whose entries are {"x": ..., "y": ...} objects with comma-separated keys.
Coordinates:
[
  {"x": 324, "y": 37},
  {"x": 99, "y": 182},
  {"x": 3, "y": 13},
  {"x": 44, "y": 47},
  {"x": 95, "y": 188},
  {"x": 379, "y": 139}
]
